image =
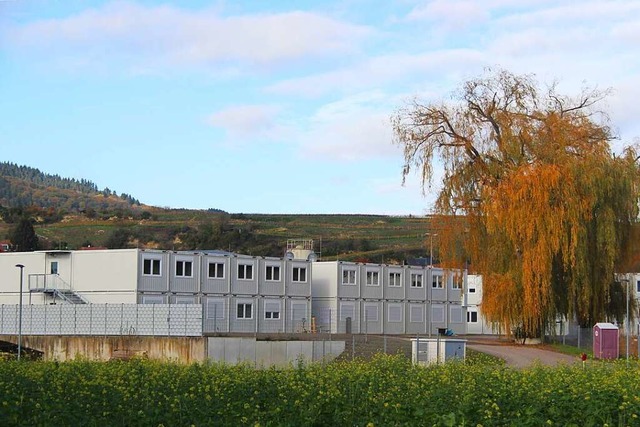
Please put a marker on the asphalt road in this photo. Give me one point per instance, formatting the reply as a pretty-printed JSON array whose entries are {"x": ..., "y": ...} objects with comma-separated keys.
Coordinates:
[{"x": 522, "y": 356}]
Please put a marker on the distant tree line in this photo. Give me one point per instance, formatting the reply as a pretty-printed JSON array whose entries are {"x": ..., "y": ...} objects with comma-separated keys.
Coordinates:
[
  {"x": 37, "y": 177},
  {"x": 23, "y": 186}
]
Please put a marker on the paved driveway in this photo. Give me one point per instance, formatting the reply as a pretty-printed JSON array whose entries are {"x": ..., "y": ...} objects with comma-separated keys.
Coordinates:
[{"x": 522, "y": 356}]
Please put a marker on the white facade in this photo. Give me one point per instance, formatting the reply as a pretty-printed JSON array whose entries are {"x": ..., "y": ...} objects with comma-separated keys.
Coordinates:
[
  {"x": 476, "y": 323},
  {"x": 99, "y": 276},
  {"x": 391, "y": 299}
]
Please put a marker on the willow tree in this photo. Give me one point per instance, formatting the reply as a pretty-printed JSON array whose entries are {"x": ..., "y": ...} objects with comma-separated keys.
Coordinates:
[{"x": 548, "y": 206}]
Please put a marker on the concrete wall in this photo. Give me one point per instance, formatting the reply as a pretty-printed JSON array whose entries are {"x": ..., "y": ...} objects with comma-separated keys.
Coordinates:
[
  {"x": 271, "y": 353},
  {"x": 62, "y": 348},
  {"x": 182, "y": 349}
]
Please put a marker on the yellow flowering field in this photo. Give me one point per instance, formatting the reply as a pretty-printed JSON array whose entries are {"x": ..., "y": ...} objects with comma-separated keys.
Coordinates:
[{"x": 387, "y": 391}]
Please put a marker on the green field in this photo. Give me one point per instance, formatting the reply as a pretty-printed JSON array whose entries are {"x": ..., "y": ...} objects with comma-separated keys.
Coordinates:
[{"x": 386, "y": 391}]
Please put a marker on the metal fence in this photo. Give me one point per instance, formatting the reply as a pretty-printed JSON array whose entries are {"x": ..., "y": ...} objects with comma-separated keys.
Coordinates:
[
  {"x": 582, "y": 338},
  {"x": 103, "y": 319}
]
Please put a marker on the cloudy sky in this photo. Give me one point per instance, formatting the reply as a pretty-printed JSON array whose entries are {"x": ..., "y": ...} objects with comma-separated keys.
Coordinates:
[{"x": 278, "y": 106}]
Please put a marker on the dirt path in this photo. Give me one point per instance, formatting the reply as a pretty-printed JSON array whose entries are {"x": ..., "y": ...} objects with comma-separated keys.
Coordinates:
[{"x": 519, "y": 356}]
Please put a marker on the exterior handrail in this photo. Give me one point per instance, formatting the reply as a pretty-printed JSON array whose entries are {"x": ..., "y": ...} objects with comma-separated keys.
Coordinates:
[{"x": 47, "y": 282}]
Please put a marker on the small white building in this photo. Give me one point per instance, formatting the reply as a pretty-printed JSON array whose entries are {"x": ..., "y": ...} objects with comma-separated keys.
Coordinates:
[
  {"x": 239, "y": 293},
  {"x": 476, "y": 323},
  {"x": 390, "y": 299}
]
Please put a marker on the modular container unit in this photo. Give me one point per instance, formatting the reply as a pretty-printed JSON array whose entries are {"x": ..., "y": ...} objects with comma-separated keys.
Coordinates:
[
  {"x": 372, "y": 319},
  {"x": 394, "y": 317},
  {"x": 243, "y": 314},
  {"x": 244, "y": 275},
  {"x": 417, "y": 286},
  {"x": 271, "y": 276},
  {"x": 104, "y": 275},
  {"x": 349, "y": 277},
  {"x": 298, "y": 279},
  {"x": 216, "y": 278},
  {"x": 153, "y": 271},
  {"x": 438, "y": 285},
  {"x": 395, "y": 283},
  {"x": 438, "y": 318},
  {"x": 184, "y": 272},
  {"x": 416, "y": 317},
  {"x": 271, "y": 315},
  {"x": 606, "y": 341},
  {"x": 457, "y": 319},
  {"x": 348, "y": 316},
  {"x": 371, "y": 285},
  {"x": 298, "y": 315},
  {"x": 216, "y": 316}
]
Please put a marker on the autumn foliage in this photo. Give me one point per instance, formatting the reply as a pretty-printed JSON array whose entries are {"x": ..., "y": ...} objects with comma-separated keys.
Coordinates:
[{"x": 548, "y": 207}]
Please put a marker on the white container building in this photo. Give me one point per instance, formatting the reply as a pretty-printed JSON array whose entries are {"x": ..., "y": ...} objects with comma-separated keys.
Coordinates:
[{"x": 391, "y": 299}]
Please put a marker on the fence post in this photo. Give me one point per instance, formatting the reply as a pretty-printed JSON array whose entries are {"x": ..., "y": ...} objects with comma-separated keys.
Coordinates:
[
  {"x": 353, "y": 347},
  {"x": 366, "y": 338},
  {"x": 185, "y": 320},
  {"x": 90, "y": 319},
  {"x": 579, "y": 333},
  {"x": 75, "y": 319},
  {"x": 153, "y": 320}
]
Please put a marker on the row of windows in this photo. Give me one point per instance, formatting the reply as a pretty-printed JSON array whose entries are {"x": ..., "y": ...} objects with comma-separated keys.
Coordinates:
[
  {"x": 216, "y": 270},
  {"x": 395, "y": 279},
  {"x": 245, "y": 310}
]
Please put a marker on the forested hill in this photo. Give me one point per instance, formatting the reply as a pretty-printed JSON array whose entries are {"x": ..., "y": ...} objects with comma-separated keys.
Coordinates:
[
  {"x": 37, "y": 177},
  {"x": 24, "y": 186}
]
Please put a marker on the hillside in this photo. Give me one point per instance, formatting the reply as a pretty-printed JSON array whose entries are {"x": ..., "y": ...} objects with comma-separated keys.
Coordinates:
[{"x": 68, "y": 213}]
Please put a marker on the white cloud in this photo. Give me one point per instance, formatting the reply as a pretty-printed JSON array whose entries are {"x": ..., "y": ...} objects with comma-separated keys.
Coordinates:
[
  {"x": 353, "y": 129},
  {"x": 166, "y": 35},
  {"x": 247, "y": 120},
  {"x": 450, "y": 14},
  {"x": 380, "y": 70}
]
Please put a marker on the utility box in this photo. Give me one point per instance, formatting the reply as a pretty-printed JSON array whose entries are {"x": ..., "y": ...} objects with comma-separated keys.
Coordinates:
[
  {"x": 606, "y": 341},
  {"x": 425, "y": 351}
]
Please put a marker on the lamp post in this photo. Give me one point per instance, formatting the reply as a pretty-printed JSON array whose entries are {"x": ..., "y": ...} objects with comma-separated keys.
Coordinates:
[
  {"x": 626, "y": 320},
  {"x": 626, "y": 326},
  {"x": 431, "y": 235},
  {"x": 21, "y": 267}
]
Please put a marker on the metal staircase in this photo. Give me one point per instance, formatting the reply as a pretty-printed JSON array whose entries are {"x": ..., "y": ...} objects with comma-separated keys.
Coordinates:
[
  {"x": 54, "y": 285},
  {"x": 69, "y": 296}
]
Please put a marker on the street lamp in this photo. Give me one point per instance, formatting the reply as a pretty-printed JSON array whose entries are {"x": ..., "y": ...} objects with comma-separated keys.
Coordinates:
[
  {"x": 626, "y": 327},
  {"x": 21, "y": 267},
  {"x": 626, "y": 322},
  {"x": 431, "y": 235}
]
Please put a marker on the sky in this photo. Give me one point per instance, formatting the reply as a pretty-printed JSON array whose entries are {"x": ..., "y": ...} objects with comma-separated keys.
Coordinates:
[{"x": 279, "y": 106}]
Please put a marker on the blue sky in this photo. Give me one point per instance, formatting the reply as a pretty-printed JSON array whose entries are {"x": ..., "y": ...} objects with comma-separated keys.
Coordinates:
[{"x": 278, "y": 106}]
